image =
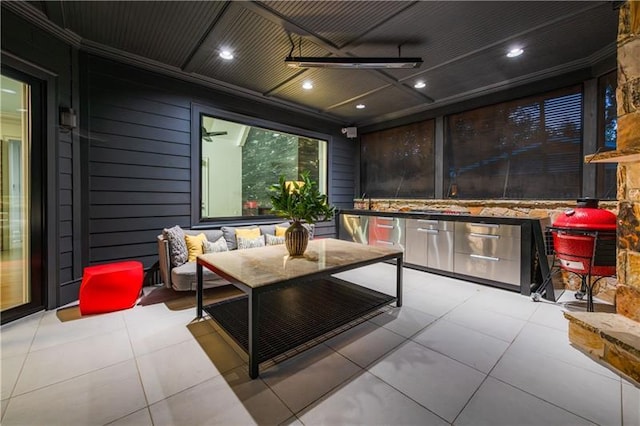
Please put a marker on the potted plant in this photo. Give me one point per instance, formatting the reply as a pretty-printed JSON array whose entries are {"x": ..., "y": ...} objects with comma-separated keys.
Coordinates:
[{"x": 299, "y": 201}]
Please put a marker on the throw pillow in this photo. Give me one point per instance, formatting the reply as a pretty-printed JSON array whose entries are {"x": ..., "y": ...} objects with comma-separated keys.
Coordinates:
[
  {"x": 194, "y": 245},
  {"x": 272, "y": 240},
  {"x": 218, "y": 246},
  {"x": 247, "y": 243},
  {"x": 229, "y": 234},
  {"x": 280, "y": 231},
  {"x": 248, "y": 233},
  {"x": 178, "y": 253}
]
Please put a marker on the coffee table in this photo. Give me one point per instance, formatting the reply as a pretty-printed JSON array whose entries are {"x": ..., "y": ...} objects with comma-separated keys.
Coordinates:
[{"x": 289, "y": 301}]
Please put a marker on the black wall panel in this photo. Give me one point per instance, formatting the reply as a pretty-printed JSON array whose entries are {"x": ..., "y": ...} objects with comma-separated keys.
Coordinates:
[{"x": 139, "y": 156}]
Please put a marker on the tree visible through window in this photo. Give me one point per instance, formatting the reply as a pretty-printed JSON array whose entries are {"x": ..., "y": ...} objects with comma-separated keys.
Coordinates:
[
  {"x": 240, "y": 162},
  {"x": 606, "y": 182},
  {"x": 528, "y": 148}
]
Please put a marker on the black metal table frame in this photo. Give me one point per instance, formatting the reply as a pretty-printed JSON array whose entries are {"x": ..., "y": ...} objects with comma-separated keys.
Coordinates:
[{"x": 255, "y": 293}]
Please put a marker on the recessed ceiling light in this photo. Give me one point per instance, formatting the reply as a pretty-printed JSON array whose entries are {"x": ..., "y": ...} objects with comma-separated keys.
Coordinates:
[
  {"x": 515, "y": 52},
  {"x": 13, "y": 92},
  {"x": 226, "y": 55},
  {"x": 361, "y": 106},
  {"x": 420, "y": 85},
  {"x": 307, "y": 85}
]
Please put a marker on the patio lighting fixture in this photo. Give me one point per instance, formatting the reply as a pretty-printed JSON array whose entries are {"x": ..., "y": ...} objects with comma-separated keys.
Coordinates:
[
  {"x": 352, "y": 63},
  {"x": 515, "y": 52},
  {"x": 420, "y": 85},
  {"x": 226, "y": 55},
  {"x": 307, "y": 85},
  {"x": 361, "y": 106}
]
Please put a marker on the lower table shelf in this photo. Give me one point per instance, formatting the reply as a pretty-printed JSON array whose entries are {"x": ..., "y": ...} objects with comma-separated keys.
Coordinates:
[{"x": 292, "y": 316}]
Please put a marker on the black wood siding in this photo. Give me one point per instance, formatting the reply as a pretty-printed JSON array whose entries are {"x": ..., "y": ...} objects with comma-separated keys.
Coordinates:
[{"x": 139, "y": 156}]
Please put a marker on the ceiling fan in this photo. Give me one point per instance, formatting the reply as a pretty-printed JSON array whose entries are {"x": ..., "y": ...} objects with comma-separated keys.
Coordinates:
[{"x": 206, "y": 136}]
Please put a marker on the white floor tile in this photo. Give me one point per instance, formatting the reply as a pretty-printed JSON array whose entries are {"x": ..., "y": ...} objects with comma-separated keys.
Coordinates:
[
  {"x": 151, "y": 336},
  {"x": 139, "y": 418},
  {"x": 630, "y": 405},
  {"x": 498, "y": 404},
  {"x": 404, "y": 321},
  {"x": 365, "y": 343},
  {"x": 10, "y": 369},
  {"x": 470, "y": 347},
  {"x": 550, "y": 315},
  {"x": 367, "y": 400},
  {"x": 435, "y": 381},
  {"x": 174, "y": 369},
  {"x": 96, "y": 398},
  {"x": 16, "y": 337},
  {"x": 430, "y": 303},
  {"x": 504, "y": 302},
  {"x": 232, "y": 399},
  {"x": 590, "y": 395},
  {"x": 555, "y": 344},
  {"x": 308, "y": 376},
  {"x": 493, "y": 324},
  {"x": 62, "y": 362},
  {"x": 53, "y": 332}
]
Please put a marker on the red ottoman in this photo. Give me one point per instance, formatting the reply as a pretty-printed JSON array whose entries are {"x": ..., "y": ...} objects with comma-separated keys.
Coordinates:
[{"x": 110, "y": 287}]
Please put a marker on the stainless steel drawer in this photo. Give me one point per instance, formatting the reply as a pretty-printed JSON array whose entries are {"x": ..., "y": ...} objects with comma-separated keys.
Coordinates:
[
  {"x": 441, "y": 225},
  {"x": 510, "y": 231},
  {"x": 386, "y": 231},
  {"x": 488, "y": 267},
  {"x": 488, "y": 245},
  {"x": 354, "y": 228}
]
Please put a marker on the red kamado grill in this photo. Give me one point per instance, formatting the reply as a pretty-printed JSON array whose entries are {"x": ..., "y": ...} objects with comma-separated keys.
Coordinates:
[{"x": 584, "y": 241}]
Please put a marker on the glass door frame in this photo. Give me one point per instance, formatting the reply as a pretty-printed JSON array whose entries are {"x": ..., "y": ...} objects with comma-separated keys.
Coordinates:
[{"x": 43, "y": 184}]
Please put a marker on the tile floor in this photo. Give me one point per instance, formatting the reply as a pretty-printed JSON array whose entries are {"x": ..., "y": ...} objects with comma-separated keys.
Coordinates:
[{"x": 455, "y": 353}]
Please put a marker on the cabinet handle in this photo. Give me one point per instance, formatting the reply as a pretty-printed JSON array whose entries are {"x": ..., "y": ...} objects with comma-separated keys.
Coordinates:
[
  {"x": 486, "y": 225},
  {"x": 384, "y": 226},
  {"x": 428, "y": 231},
  {"x": 431, "y": 222},
  {"x": 477, "y": 256},
  {"x": 388, "y": 243},
  {"x": 493, "y": 237},
  {"x": 384, "y": 218}
]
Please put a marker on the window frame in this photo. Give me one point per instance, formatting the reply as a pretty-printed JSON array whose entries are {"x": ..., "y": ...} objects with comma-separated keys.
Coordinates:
[
  {"x": 600, "y": 173},
  {"x": 197, "y": 111},
  {"x": 541, "y": 94}
]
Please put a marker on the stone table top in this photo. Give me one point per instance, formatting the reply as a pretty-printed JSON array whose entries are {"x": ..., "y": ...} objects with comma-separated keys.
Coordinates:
[{"x": 262, "y": 266}]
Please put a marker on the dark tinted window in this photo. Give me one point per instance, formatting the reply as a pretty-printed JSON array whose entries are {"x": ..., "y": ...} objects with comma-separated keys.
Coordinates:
[
  {"x": 524, "y": 149},
  {"x": 398, "y": 162}
]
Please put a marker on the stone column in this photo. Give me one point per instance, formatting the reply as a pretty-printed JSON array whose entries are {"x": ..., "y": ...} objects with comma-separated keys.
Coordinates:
[{"x": 628, "y": 99}]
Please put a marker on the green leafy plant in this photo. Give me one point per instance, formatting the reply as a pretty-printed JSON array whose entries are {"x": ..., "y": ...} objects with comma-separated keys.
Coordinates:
[{"x": 300, "y": 201}]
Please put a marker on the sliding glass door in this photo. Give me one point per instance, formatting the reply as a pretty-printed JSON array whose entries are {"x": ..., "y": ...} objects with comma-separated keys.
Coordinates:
[{"x": 20, "y": 183}]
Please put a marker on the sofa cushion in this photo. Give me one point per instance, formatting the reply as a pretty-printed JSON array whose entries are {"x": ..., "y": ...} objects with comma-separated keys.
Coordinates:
[
  {"x": 216, "y": 246},
  {"x": 194, "y": 245},
  {"x": 183, "y": 277},
  {"x": 280, "y": 230},
  {"x": 271, "y": 229},
  {"x": 211, "y": 234},
  {"x": 248, "y": 243},
  {"x": 229, "y": 233},
  {"x": 178, "y": 253},
  {"x": 272, "y": 240}
]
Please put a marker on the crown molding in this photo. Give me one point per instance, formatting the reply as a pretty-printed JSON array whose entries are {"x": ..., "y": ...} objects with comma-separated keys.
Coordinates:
[{"x": 36, "y": 17}]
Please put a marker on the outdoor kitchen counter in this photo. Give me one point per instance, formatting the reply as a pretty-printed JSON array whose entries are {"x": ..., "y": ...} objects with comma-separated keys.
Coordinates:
[{"x": 505, "y": 252}]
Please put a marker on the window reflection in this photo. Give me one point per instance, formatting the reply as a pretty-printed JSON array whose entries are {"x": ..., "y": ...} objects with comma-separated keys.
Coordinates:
[{"x": 239, "y": 162}]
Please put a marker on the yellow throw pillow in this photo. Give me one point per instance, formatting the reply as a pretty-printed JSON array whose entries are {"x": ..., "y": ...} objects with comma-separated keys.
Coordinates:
[
  {"x": 194, "y": 245},
  {"x": 248, "y": 233},
  {"x": 280, "y": 231}
]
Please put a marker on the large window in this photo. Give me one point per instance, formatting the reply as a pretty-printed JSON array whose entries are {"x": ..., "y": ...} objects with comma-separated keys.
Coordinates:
[
  {"x": 239, "y": 162},
  {"x": 398, "y": 162},
  {"x": 606, "y": 182},
  {"x": 524, "y": 149}
]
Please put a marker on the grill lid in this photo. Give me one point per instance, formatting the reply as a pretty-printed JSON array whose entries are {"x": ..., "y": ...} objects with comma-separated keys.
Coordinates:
[{"x": 587, "y": 216}]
